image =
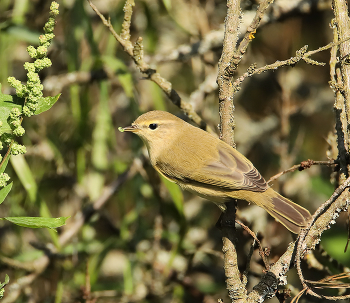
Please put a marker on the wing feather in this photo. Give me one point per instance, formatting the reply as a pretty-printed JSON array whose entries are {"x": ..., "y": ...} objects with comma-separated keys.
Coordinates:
[
  {"x": 233, "y": 171},
  {"x": 228, "y": 169}
]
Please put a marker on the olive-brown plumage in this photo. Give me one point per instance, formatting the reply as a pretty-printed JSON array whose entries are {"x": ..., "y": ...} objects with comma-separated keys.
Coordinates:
[{"x": 207, "y": 166}]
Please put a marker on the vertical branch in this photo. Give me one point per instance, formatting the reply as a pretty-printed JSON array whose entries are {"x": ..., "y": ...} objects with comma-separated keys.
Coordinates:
[
  {"x": 226, "y": 89},
  {"x": 235, "y": 287},
  {"x": 340, "y": 82},
  {"x": 341, "y": 9},
  {"x": 230, "y": 58}
]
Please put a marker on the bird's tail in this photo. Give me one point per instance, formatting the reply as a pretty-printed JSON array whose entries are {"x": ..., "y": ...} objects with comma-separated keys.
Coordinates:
[{"x": 291, "y": 215}]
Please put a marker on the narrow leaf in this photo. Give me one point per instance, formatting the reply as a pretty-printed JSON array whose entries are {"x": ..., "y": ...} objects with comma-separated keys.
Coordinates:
[
  {"x": 38, "y": 222},
  {"x": 4, "y": 192},
  {"x": 4, "y": 164},
  {"x": 24, "y": 173}
]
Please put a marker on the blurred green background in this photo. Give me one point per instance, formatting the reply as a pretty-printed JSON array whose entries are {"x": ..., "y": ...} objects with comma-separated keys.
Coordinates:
[{"x": 151, "y": 242}]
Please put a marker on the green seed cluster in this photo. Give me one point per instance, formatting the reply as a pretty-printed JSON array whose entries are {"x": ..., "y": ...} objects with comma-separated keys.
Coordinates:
[
  {"x": 17, "y": 149},
  {"x": 32, "y": 91},
  {"x": 6, "y": 138},
  {"x": 15, "y": 122},
  {"x": 3, "y": 179}
]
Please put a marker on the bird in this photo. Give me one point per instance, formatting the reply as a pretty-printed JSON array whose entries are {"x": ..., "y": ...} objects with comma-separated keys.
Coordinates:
[{"x": 210, "y": 168}]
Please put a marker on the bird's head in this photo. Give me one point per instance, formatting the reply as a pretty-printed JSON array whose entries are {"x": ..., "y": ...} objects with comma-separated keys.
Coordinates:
[{"x": 156, "y": 128}]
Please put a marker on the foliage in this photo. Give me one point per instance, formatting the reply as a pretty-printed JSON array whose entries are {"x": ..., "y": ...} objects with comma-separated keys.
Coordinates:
[{"x": 29, "y": 100}]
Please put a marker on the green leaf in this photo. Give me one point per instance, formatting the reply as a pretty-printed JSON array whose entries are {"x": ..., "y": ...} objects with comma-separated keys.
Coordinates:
[
  {"x": 7, "y": 103},
  {"x": 46, "y": 103},
  {"x": 25, "y": 175},
  {"x": 45, "y": 213},
  {"x": 4, "y": 192},
  {"x": 37, "y": 222},
  {"x": 175, "y": 193},
  {"x": 4, "y": 164}
]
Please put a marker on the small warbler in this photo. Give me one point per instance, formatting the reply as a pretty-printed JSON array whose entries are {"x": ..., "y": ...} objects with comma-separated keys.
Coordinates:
[{"x": 210, "y": 168}]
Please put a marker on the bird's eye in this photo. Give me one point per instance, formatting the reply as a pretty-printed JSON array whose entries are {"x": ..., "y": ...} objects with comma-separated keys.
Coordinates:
[{"x": 153, "y": 126}]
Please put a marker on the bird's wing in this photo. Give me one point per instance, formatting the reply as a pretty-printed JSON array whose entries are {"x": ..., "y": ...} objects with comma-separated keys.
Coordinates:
[{"x": 230, "y": 170}]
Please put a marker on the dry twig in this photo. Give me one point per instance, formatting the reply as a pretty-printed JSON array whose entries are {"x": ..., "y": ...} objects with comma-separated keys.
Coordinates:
[
  {"x": 321, "y": 220},
  {"x": 303, "y": 165},
  {"x": 136, "y": 53}
]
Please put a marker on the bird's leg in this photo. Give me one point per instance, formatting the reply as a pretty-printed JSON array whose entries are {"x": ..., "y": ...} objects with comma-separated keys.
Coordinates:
[{"x": 227, "y": 218}]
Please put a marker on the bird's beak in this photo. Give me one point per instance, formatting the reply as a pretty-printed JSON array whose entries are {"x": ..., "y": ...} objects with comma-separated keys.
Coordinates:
[{"x": 132, "y": 128}]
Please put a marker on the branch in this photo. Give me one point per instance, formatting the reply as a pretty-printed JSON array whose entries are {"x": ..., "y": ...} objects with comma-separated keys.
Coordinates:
[
  {"x": 311, "y": 236},
  {"x": 236, "y": 288},
  {"x": 267, "y": 287},
  {"x": 303, "y": 165},
  {"x": 229, "y": 61},
  {"x": 226, "y": 107},
  {"x": 230, "y": 58},
  {"x": 300, "y": 55},
  {"x": 136, "y": 53},
  {"x": 340, "y": 83}
]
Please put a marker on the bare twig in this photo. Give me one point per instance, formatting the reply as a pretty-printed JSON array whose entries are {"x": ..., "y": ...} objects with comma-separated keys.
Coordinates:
[
  {"x": 248, "y": 36},
  {"x": 267, "y": 287},
  {"x": 301, "y": 55},
  {"x": 321, "y": 220},
  {"x": 303, "y": 165},
  {"x": 307, "y": 241},
  {"x": 262, "y": 252},
  {"x": 136, "y": 53}
]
